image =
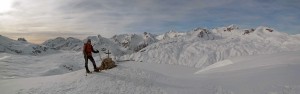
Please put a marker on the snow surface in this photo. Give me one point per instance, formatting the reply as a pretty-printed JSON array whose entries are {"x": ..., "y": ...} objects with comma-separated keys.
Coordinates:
[
  {"x": 19, "y": 66},
  {"x": 259, "y": 74}
]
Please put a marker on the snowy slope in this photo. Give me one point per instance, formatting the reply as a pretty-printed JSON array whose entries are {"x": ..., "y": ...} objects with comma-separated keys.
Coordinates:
[
  {"x": 20, "y": 66},
  {"x": 260, "y": 74},
  {"x": 296, "y": 36},
  {"x": 218, "y": 44},
  {"x": 60, "y": 43},
  {"x": 117, "y": 81},
  {"x": 22, "y": 47}
]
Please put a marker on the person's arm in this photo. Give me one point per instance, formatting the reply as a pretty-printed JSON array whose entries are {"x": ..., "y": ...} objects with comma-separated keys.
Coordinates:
[{"x": 94, "y": 50}]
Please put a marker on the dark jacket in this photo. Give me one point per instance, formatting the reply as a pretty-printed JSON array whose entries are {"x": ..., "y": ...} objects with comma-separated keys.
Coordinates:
[{"x": 88, "y": 49}]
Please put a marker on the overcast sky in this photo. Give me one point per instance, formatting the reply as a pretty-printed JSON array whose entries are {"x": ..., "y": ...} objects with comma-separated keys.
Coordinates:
[{"x": 41, "y": 19}]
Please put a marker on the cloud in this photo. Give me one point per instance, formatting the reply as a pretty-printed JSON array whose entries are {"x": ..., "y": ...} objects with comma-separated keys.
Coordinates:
[{"x": 109, "y": 17}]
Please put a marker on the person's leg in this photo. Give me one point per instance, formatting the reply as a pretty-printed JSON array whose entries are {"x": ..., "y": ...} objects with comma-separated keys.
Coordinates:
[
  {"x": 93, "y": 61},
  {"x": 86, "y": 64}
]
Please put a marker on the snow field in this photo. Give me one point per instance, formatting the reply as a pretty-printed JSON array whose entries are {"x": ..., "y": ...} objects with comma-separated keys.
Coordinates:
[
  {"x": 257, "y": 74},
  {"x": 222, "y": 61}
]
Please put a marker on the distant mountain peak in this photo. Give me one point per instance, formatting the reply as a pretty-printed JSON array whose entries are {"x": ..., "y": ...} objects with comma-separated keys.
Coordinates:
[{"x": 19, "y": 46}]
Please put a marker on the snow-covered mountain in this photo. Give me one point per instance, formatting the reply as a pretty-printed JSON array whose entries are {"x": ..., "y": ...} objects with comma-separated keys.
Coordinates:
[
  {"x": 22, "y": 47},
  {"x": 60, "y": 43},
  {"x": 225, "y": 60},
  {"x": 169, "y": 35},
  {"x": 196, "y": 48},
  {"x": 201, "y": 47},
  {"x": 134, "y": 42},
  {"x": 118, "y": 45}
]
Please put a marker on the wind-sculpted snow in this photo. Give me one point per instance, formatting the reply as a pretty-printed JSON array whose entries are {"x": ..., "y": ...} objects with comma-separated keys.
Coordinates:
[{"x": 218, "y": 44}]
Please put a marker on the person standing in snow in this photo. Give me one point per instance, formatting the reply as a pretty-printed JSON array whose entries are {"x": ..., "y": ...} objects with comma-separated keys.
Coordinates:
[{"x": 87, "y": 52}]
